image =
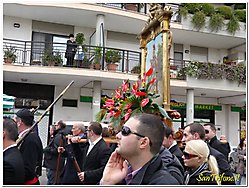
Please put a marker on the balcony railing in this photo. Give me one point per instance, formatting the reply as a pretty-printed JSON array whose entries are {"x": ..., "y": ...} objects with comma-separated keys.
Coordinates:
[
  {"x": 143, "y": 8},
  {"x": 32, "y": 53}
]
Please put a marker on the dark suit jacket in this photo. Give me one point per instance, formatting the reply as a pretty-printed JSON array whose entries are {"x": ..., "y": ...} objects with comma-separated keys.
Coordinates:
[
  {"x": 223, "y": 166},
  {"x": 70, "y": 176},
  {"x": 216, "y": 144},
  {"x": 94, "y": 163},
  {"x": 177, "y": 152},
  {"x": 13, "y": 167},
  {"x": 31, "y": 150}
]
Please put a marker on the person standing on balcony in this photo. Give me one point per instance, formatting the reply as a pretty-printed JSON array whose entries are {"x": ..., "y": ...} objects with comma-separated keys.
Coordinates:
[{"x": 71, "y": 50}]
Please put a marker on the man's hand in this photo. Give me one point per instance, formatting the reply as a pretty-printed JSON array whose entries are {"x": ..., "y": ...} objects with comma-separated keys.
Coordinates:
[
  {"x": 81, "y": 176},
  {"x": 115, "y": 170},
  {"x": 75, "y": 139}
]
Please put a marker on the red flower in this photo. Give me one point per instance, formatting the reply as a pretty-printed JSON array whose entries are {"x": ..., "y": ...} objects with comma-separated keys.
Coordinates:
[
  {"x": 109, "y": 102},
  {"x": 144, "y": 102},
  {"x": 152, "y": 81},
  {"x": 118, "y": 94},
  {"x": 127, "y": 115},
  {"x": 140, "y": 93},
  {"x": 128, "y": 106},
  {"x": 117, "y": 113},
  {"x": 125, "y": 86},
  {"x": 149, "y": 72}
]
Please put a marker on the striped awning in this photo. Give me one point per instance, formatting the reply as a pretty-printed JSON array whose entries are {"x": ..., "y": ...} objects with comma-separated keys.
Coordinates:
[{"x": 8, "y": 102}]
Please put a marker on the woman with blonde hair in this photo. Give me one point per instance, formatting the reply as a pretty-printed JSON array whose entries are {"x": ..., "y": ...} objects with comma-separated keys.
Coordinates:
[{"x": 202, "y": 168}]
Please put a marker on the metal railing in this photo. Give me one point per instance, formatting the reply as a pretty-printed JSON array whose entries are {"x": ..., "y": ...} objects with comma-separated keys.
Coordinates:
[
  {"x": 143, "y": 8},
  {"x": 30, "y": 53}
]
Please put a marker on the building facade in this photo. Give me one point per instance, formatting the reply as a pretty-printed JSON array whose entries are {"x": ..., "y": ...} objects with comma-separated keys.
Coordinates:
[{"x": 32, "y": 28}]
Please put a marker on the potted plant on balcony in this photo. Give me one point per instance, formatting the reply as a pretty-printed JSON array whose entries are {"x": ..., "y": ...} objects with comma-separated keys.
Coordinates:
[
  {"x": 112, "y": 57},
  {"x": 51, "y": 58},
  {"x": 131, "y": 6},
  {"x": 97, "y": 59},
  {"x": 136, "y": 69},
  {"x": 9, "y": 55}
]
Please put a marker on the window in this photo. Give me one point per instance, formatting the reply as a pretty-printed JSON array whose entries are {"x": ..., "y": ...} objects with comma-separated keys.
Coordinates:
[{"x": 69, "y": 103}]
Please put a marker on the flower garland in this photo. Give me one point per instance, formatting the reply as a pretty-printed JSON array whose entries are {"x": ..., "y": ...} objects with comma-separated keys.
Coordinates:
[{"x": 129, "y": 100}]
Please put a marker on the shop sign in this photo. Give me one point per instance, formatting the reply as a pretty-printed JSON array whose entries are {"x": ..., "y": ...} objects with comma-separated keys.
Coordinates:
[
  {"x": 181, "y": 105},
  {"x": 86, "y": 99}
]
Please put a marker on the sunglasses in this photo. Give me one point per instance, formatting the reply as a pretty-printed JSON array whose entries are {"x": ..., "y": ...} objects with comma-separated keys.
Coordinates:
[
  {"x": 188, "y": 155},
  {"x": 206, "y": 131},
  {"x": 126, "y": 131}
]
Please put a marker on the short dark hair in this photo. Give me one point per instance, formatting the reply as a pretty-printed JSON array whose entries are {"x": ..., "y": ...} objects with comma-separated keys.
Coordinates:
[
  {"x": 10, "y": 126},
  {"x": 196, "y": 128},
  {"x": 71, "y": 35},
  {"x": 62, "y": 124},
  {"x": 151, "y": 126},
  {"x": 212, "y": 126},
  {"x": 95, "y": 127},
  {"x": 168, "y": 131}
]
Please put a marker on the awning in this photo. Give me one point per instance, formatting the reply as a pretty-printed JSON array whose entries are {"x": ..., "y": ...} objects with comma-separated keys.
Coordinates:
[{"x": 8, "y": 101}]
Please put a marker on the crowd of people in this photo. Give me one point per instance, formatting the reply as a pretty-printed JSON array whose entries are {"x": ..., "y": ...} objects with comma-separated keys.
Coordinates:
[{"x": 146, "y": 153}]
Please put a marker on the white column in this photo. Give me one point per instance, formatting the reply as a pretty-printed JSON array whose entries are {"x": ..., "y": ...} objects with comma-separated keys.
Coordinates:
[
  {"x": 190, "y": 106},
  {"x": 96, "y": 98},
  {"x": 99, "y": 33}
]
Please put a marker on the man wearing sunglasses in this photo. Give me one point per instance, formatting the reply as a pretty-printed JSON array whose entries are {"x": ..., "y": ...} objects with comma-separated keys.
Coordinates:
[
  {"x": 195, "y": 131},
  {"x": 210, "y": 136},
  {"x": 136, "y": 160}
]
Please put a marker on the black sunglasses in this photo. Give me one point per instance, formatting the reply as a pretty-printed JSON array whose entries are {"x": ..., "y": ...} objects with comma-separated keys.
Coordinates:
[
  {"x": 206, "y": 131},
  {"x": 188, "y": 155},
  {"x": 126, "y": 131}
]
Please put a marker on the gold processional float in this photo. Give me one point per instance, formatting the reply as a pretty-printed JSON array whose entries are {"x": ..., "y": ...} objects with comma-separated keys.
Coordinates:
[{"x": 155, "y": 43}]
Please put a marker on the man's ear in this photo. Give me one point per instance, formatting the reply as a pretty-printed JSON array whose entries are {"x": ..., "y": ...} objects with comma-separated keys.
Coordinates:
[
  {"x": 4, "y": 134},
  {"x": 196, "y": 136},
  {"x": 144, "y": 142}
]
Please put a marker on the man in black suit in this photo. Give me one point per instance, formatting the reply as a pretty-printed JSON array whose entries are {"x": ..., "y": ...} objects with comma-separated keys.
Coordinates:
[
  {"x": 210, "y": 136},
  {"x": 13, "y": 167},
  {"x": 71, "y": 50},
  {"x": 95, "y": 156},
  {"x": 171, "y": 145},
  {"x": 195, "y": 131},
  {"x": 70, "y": 176},
  {"x": 30, "y": 148}
]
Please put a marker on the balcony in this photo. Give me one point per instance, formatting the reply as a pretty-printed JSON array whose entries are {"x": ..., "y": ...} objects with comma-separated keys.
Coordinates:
[{"x": 31, "y": 53}]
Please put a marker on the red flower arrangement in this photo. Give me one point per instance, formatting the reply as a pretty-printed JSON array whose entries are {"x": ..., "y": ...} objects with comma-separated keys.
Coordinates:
[{"x": 129, "y": 100}]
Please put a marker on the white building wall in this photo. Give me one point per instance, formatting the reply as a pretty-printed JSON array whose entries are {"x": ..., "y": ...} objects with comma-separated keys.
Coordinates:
[
  {"x": 213, "y": 55},
  {"x": 122, "y": 41},
  {"x": 22, "y": 33},
  {"x": 87, "y": 33},
  {"x": 81, "y": 113},
  {"x": 229, "y": 122}
]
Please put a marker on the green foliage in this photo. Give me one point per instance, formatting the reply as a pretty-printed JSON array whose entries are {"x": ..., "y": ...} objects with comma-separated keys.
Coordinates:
[
  {"x": 216, "y": 22},
  {"x": 208, "y": 9},
  {"x": 214, "y": 71},
  {"x": 198, "y": 20},
  {"x": 192, "y": 7},
  {"x": 10, "y": 53},
  {"x": 226, "y": 11},
  {"x": 233, "y": 25},
  {"x": 241, "y": 15},
  {"x": 239, "y": 6},
  {"x": 183, "y": 12},
  {"x": 136, "y": 69},
  {"x": 98, "y": 55},
  {"x": 50, "y": 56},
  {"x": 80, "y": 38},
  {"x": 112, "y": 56}
]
